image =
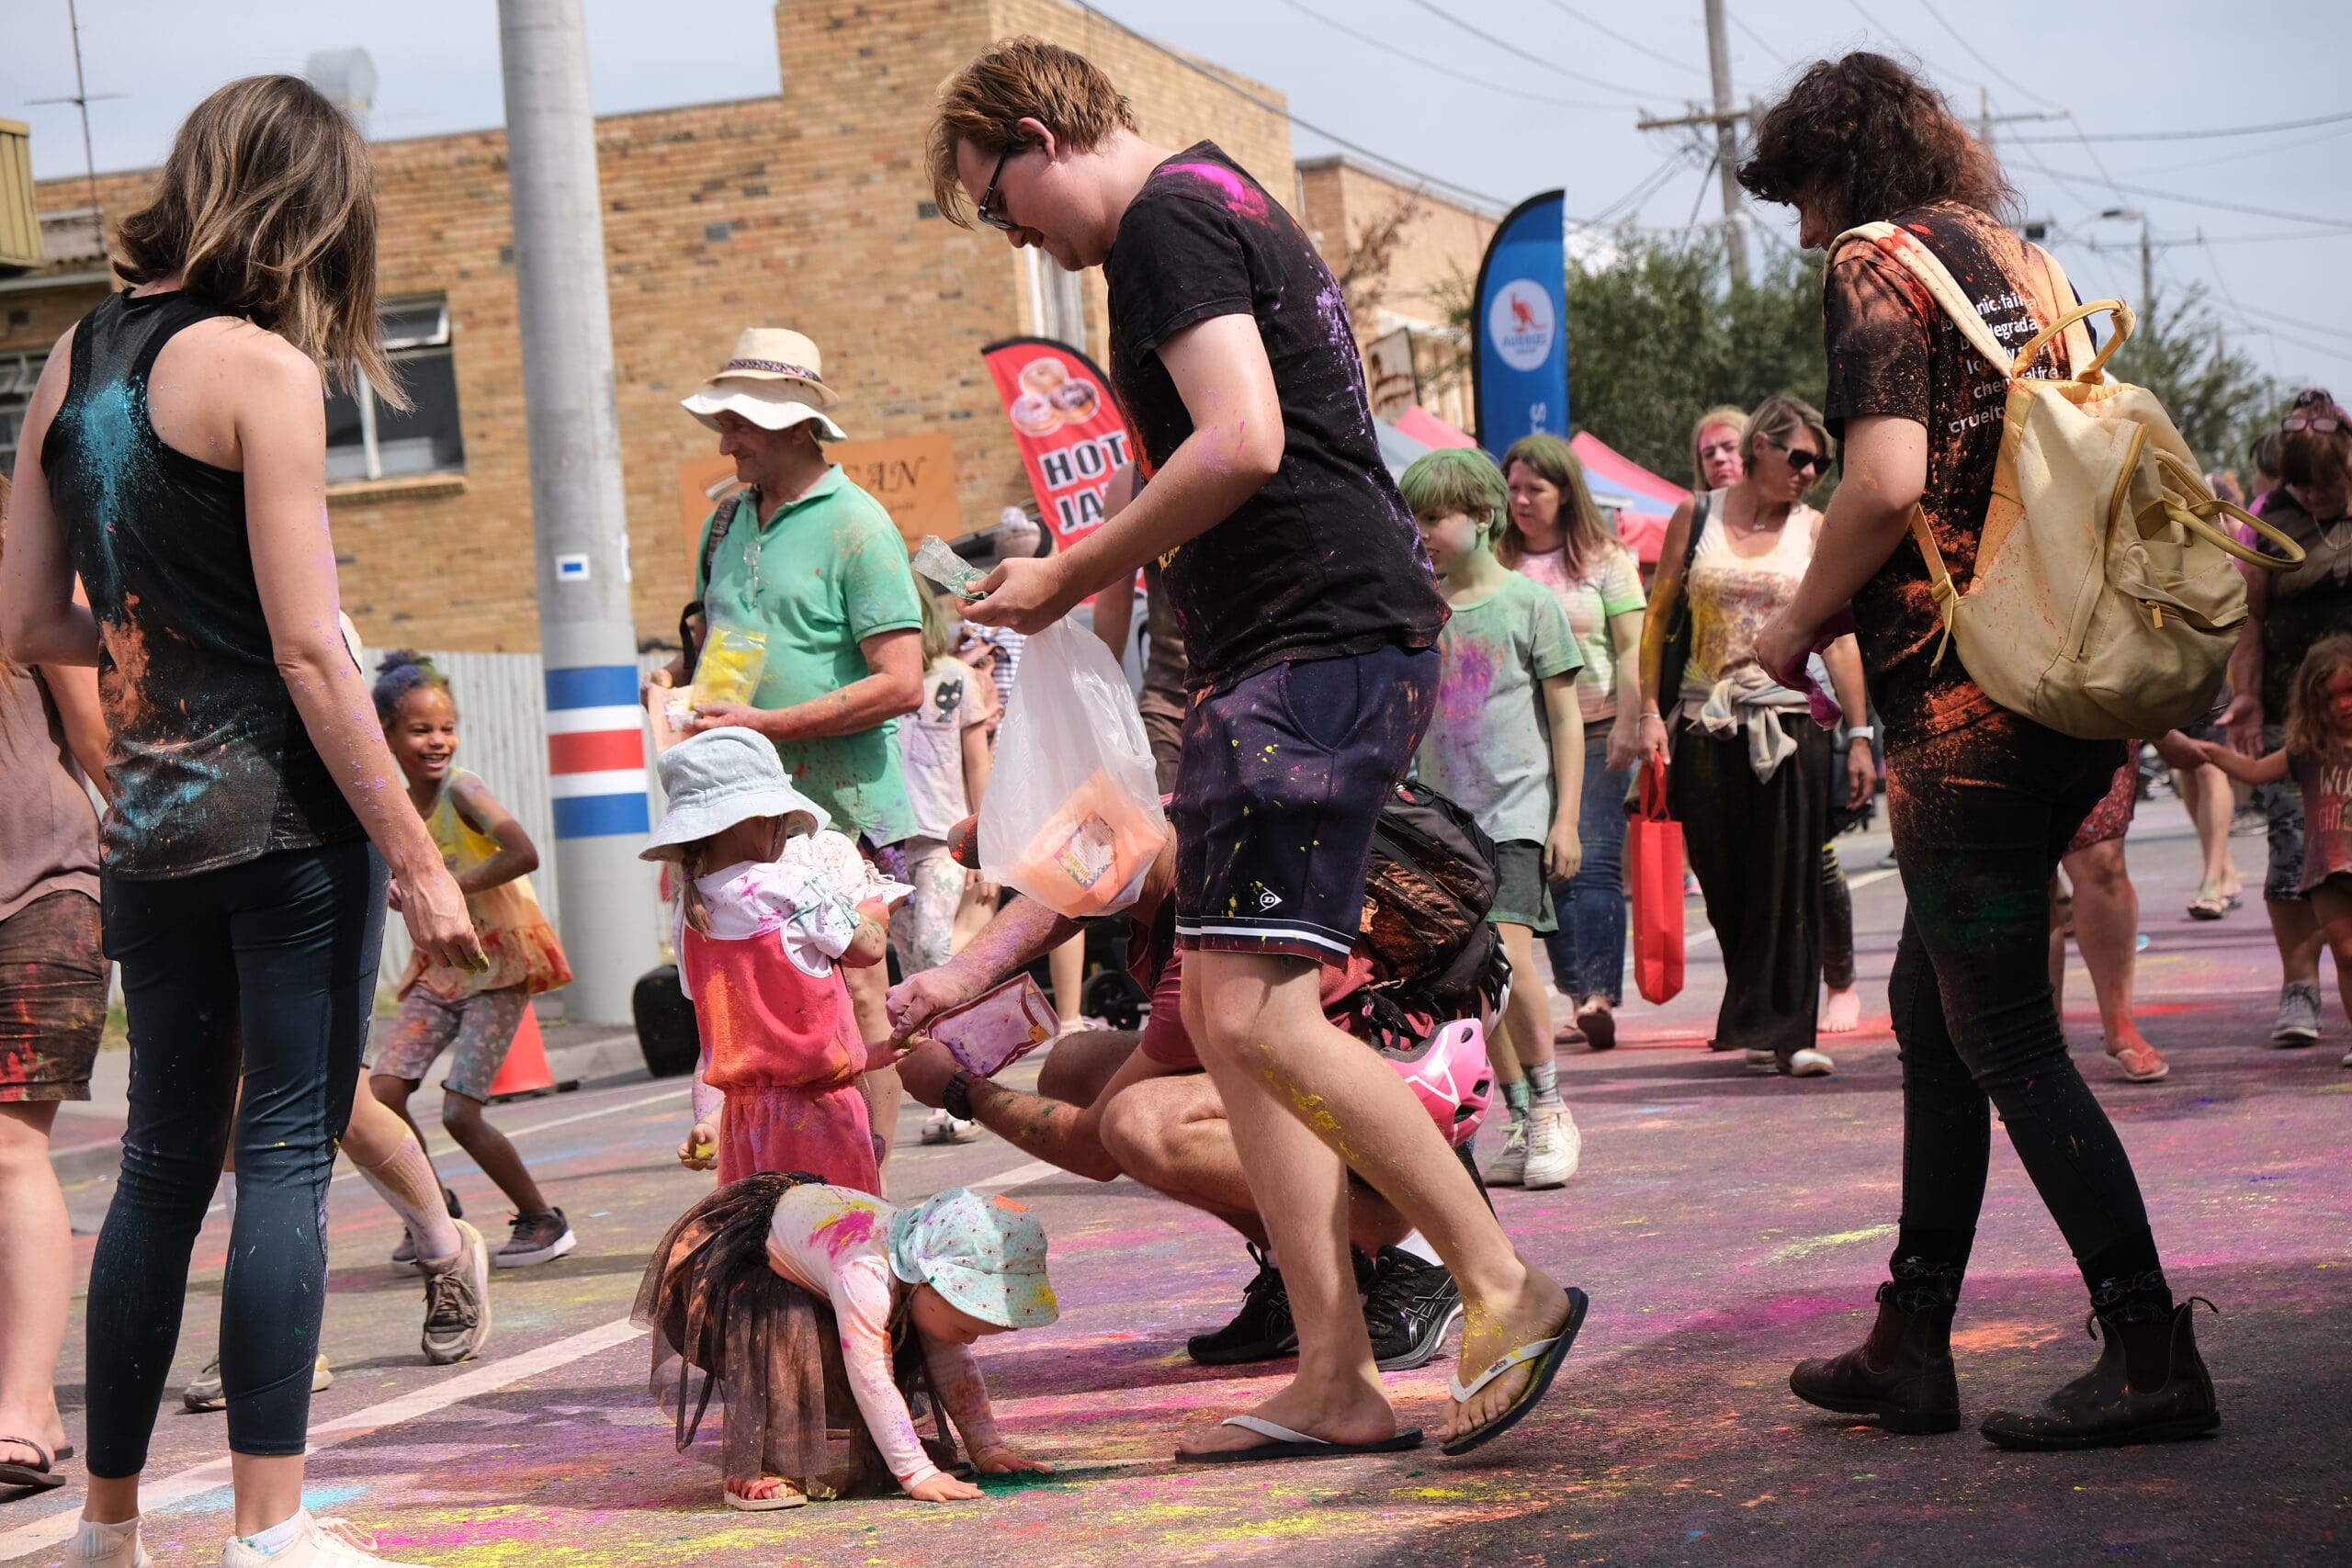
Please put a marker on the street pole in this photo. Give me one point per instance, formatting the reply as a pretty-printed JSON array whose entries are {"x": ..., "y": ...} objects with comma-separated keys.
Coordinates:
[
  {"x": 587, "y": 636},
  {"x": 1727, "y": 143},
  {"x": 2147, "y": 268}
]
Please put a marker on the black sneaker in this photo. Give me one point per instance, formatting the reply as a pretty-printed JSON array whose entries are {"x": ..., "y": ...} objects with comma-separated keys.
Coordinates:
[
  {"x": 1411, "y": 1307},
  {"x": 537, "y": 1238},
  {"x": 1260, "y": 1331}
]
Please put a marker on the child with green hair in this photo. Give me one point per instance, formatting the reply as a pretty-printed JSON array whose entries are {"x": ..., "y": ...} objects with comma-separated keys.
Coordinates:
[{"x": 1505, "y": 742}]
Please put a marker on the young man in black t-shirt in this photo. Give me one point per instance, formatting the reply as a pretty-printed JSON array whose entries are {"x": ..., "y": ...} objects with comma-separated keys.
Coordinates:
[{"x": 1309, "y": 612}]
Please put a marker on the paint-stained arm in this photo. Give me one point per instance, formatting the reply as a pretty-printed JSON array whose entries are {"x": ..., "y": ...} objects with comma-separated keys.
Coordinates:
[
  {"x": 956, "y": 1379},
  {"x": 892, "y": 686},
  {"x": 1844, "y": 660},
  {"x": 1220, "y": 370},
  {"x": 1664, "y": 593},
  {"x": 40, "y": 622},
  {"x": 280, "y": 415},
  {"x": 516, "y": 856}
]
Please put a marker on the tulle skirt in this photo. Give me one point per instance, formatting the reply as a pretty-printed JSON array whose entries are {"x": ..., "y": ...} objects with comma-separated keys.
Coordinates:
[{"x": 728, "y": 1329}]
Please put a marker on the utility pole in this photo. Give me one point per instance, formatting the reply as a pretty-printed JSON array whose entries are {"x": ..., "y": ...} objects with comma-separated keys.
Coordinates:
[
  {"x": 2147, "y": 252},
  {"x": 1726, "y": 144},
  {"x": 587, "y": 635},
  {"x": 82, "y": 100}
]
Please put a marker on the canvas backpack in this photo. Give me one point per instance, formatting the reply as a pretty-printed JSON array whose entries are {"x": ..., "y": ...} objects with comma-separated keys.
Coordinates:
[
  {"x": 1431, "y": 882},
  {"x": 2104, "y": 604}
]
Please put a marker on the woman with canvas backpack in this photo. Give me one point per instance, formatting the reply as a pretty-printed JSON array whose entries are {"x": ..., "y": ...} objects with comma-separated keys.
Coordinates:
[{"x": 1980, "y": 800}]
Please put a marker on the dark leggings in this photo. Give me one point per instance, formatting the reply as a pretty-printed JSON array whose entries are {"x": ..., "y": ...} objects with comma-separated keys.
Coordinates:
[
  {"x": 1836, "y": 922},
  {"x": 273, "y": 962},
  {"x": 1980, "y": 817}
]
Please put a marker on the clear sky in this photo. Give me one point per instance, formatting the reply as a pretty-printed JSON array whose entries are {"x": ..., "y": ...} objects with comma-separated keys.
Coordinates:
[{"x": 1548, "y": 96}]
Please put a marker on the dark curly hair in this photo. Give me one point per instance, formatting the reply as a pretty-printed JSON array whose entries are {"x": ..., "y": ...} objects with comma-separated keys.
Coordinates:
[
  {"x": 397, "y": 673},
  {"x": 1873, "y": 141}
]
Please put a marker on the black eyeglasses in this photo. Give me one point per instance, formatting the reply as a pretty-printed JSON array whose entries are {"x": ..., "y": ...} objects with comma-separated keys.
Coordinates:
[
  {"x": 1802, "y": 462},
  {"x": 985, "y": 209}
]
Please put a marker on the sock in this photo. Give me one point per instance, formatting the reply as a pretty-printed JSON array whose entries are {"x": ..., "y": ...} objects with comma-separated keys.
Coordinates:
[
  {"x": 1419, "y": 1247},
  {"x": 1546, "y": 1078},
  {"x": 1928, "y": 1266},
  {"x": 2127, "y": 1282},
  {"x": 1518, "y": 1097},
  {"x": 277, "y": 1537},
  {"x": 406, "y": 1182}
]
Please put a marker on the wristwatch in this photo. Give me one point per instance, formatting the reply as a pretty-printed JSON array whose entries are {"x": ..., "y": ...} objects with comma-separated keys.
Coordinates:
[{"x": 955, "y": 1098}]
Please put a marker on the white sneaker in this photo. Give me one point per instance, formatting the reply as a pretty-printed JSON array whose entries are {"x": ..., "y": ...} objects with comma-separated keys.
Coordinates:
[
  {"x": 322, "y": 1543},
  {"x": 945, "y": 1129},
  {"x": 1553, "y": 1147},
  {"x": 106, "y": 1546},
  {"x": 457, "y": 1300},
  {"x": 1509, "y": 1169},
  {"x": 1811, "y": 1063}
]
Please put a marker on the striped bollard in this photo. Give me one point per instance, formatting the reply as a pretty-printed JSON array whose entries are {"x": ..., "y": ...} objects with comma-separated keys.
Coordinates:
[{"x": 596, "y": 776}]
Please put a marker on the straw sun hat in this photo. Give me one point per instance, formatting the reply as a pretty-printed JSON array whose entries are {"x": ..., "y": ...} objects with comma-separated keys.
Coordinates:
[{"x": 775, "y": 379}]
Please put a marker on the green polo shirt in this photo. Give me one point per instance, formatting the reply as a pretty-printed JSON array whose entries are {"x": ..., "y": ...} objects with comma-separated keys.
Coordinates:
[{"x": 831, "y": 572}]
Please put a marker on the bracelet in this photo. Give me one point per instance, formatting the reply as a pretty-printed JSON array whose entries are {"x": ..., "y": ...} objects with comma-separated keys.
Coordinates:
[
  {"x": 1653, "y": 713},
  {"x": 955, "y": 1098},
  {"x": 1861, "y": 731}
]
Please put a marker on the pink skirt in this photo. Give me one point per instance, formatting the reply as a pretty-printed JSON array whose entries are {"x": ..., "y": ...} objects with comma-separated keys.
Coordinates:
[{"x": 780, "y": 1129}]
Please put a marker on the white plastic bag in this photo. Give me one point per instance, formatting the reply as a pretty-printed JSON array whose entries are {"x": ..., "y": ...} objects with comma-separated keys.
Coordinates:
[{"x": 1072, "y": 816}]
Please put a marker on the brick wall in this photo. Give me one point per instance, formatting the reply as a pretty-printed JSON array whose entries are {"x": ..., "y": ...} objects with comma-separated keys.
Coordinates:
[{"x": 821, "y": 192}]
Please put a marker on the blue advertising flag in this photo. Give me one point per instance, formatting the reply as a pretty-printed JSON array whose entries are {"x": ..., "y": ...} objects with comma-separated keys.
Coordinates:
[{"x": 1518, "y": 342}]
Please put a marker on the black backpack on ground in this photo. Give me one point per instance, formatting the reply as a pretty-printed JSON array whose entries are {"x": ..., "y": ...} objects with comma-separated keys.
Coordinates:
[{"x": 1431, "y": 883}]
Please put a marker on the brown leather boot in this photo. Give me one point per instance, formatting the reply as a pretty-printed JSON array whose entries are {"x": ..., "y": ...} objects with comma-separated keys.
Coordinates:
[
  {"x": 1902, "y": 1374},
  {"x": 2102, "y": 1410}
]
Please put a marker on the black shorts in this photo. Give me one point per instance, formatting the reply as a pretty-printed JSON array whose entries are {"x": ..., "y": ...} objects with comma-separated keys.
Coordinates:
[{"x": 1283, "y": 780}]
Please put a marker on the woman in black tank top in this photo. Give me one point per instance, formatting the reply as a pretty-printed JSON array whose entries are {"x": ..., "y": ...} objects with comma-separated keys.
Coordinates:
[{"x": 174, "y": 458}]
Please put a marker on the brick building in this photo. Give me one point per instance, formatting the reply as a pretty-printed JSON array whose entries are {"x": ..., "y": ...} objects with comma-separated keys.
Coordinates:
[{"x": 807, "y": 209}]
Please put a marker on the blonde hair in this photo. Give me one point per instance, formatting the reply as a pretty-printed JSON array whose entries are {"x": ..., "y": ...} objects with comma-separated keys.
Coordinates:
[
  {"x": 1730, "y": 417},
  {"x": 938, "y": 626},
  {"x": 1781, "y": 416},
  {"x": 2310, "y": 727},
  {"x": 1584, "y": 536},
  {"x": 266, "y": 206},
  {"x": 1012, "y": 80}
]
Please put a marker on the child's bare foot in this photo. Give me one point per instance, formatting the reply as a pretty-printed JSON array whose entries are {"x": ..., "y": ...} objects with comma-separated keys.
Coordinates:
[
  {"x": 1492, "y": 1330},
  {"x": 1842, "y": 1013},
  {"x": 1344, "y": 1410},
  {"x": 766, "y": 1493}
]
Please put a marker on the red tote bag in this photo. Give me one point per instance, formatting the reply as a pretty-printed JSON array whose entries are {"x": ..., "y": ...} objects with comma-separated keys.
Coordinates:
[{"x": 1654, "y": 860}]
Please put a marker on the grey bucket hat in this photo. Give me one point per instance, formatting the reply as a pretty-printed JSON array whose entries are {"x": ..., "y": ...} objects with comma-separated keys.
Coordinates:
[{"x": 718, "y": 778}]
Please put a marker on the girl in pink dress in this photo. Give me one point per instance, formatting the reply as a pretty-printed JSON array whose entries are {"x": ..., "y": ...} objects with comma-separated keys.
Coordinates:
[{"x": 762, "y": 939}]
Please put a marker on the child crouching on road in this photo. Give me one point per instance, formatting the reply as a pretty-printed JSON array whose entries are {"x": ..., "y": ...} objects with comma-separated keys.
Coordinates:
[
  {"x": 761, "y": 935},
  {"x": 812, "y": 1309}
]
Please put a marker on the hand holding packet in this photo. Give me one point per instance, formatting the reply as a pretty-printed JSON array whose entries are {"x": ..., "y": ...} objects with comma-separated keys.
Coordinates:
[{"x": 990, "y": 1033}]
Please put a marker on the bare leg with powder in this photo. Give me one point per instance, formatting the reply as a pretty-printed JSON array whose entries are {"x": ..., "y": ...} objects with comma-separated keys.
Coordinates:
[{"x": 1307, "y": 1102}]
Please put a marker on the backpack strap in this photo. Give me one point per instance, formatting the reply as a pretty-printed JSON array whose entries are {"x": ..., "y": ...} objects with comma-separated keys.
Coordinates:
[{"x": 2080, "y": 348}]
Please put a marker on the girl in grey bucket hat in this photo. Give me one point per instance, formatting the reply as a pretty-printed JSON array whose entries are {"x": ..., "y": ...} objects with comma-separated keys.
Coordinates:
[{"x": 716, "y": 778}]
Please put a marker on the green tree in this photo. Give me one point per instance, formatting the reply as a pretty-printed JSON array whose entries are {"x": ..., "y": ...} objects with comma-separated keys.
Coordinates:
[{"x": 2214, "y": 394}]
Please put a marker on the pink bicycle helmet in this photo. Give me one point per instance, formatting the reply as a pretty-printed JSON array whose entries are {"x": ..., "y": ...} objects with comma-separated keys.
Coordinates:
[{"x": 1450, "y": 1073}]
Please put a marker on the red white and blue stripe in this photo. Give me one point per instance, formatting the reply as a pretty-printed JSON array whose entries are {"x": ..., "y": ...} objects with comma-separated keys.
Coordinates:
[{"x": 596, "y": 752}]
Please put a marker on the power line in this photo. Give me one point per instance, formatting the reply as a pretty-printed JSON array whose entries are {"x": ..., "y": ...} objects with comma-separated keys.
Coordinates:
[
  {"x": 1757, "y": 40},
  {"x": 2291, "y": 321},
  {"x": 1186, "y": 60},
  {"x": 1649, "y": 185},
  {"x": 1978, "y": 55},
  {"x": 2343, "y": 224},
  {"x": 1605, "y": 30},
  {"x": 1509, "y": 48},
  {"x": 1426, "y": 63},
  {"x": 2199, "y": 135}
]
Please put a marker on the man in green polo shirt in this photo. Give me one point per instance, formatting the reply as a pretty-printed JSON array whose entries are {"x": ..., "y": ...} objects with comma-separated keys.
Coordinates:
[{"x": 803, "y": 556}]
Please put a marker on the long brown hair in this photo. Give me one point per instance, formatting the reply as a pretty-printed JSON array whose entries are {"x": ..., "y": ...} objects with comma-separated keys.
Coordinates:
[
  {"x": 1584, "y": 536},
  {"x": 2309, "y": 728},
  {"x": 1870, "y": 140},
  {"x": 267, "y": 205}
]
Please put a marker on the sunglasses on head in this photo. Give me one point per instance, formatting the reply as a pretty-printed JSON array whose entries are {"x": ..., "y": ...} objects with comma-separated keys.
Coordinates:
[
  {"x": 985, "y": 209},
  {"x": 1802, "y": 461},
  {"x": 2325, "y": 418}
]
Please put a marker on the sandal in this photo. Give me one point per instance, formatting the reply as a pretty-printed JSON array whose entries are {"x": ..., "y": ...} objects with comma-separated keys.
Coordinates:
[
  {"x": 2207, "y": 907},
  {"x": 1546, "y": 1353},
  {"x": 1283, "y": 1443},
  {"x": 787, "y": 1496},
  {"x": 2141, "y": 1062},
  {"x": 39, "y": 1477}
]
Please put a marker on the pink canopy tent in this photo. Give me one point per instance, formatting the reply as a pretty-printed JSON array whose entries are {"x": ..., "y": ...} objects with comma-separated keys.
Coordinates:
[{"x": 1644, "y": 502}]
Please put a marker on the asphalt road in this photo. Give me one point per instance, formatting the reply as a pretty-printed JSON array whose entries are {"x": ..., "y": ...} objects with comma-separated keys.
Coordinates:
[{"x": 1725, "y": 1225}]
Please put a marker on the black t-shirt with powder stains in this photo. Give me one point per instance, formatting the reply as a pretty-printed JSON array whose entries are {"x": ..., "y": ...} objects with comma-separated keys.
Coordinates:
[
  {"x": 1893, "y": 351},
  {"x": 1323, "y": 561}
]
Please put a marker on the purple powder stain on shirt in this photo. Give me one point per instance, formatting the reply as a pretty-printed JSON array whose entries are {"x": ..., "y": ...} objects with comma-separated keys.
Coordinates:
[{"x": 1240, "y": 195}]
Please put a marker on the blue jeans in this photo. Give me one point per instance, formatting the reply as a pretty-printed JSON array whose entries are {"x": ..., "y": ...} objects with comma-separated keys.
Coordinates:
[{"x": 1587, "y": 950}]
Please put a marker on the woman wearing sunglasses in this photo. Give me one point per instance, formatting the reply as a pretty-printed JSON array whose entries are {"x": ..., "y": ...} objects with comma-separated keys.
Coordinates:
[
  {"x": 2286, "y": 613},
  {"x": 1749, "y": 779}
]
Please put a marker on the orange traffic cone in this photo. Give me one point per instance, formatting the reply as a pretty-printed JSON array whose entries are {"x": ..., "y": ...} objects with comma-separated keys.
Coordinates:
[{"x": 526, "y": 1075}]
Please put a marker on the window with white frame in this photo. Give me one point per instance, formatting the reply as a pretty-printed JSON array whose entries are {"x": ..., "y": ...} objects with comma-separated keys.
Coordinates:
[
  {"x": 18, "y": 372},
  {"x": 369, "y": 439}
]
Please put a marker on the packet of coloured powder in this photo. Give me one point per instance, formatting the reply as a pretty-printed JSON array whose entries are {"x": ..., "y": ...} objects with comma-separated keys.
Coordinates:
[
  {"x": 990, "y": 1034},
  {"x": 938, "y": 561}
]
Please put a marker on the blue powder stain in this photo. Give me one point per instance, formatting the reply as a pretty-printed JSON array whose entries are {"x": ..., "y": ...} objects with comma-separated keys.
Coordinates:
[
  {"x": 317, "y": 1498},
  {"x": 109, "y": 427}
]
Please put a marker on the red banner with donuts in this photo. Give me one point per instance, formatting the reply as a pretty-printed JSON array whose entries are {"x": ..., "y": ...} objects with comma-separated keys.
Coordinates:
[{"x": 1071, "y": 437}]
